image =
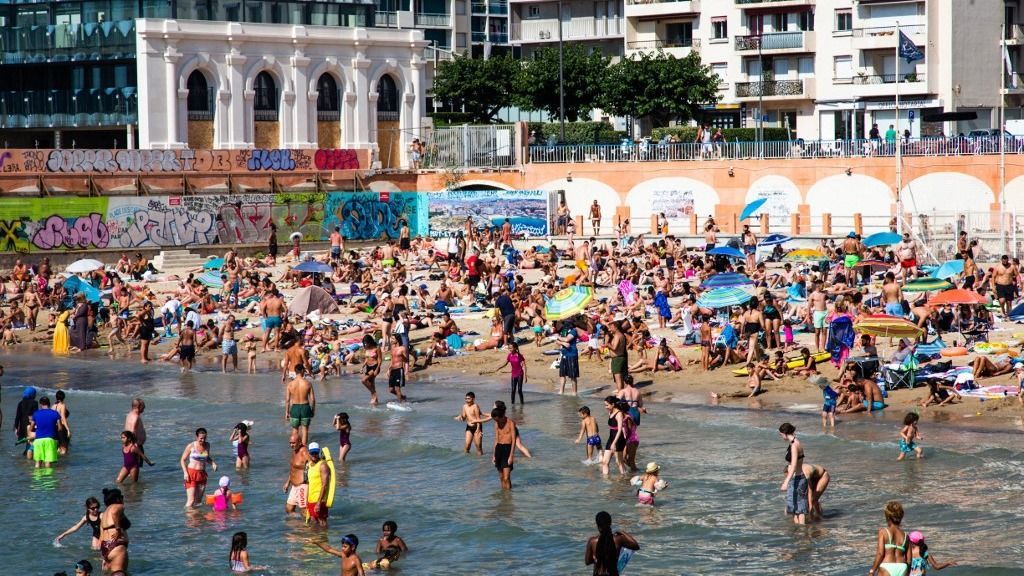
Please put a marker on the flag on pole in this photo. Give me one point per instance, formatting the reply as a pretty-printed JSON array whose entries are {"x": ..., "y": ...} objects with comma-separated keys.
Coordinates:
[{"x": 908, "y": 50}]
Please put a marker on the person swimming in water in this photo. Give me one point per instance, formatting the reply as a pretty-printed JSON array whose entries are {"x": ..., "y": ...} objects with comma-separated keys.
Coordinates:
[
  {"x": 390, "y": 547},
  {"x": 891, "y": 544},
  {"x": 92, "y": 518}
]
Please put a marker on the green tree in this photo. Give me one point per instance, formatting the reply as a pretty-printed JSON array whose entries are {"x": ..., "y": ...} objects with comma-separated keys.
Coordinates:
[
  {"x": 537, "y": 86},
  {"x": 478, "y": 87},
  {"x": 659, "y": 87}
]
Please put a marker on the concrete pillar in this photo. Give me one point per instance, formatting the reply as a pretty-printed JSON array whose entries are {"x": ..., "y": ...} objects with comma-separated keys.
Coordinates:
[
  {"x": 579, "y": 224},
  {"x": 302, "y": 115},
  {"x": 826, "y": 224},
  {"x": 858, "y": 223},
  {"x": 418, "y": 72},
  {"x": 236, "y": 104},
  {"x": 654, "y": 224},
  {"x": 764, "y": 223},
  {"x": 365, "y": 112},
  {"x": 693, "y": 225},
  {"x": 794, "y": 225},
  {"x": 171, "y": 95}
]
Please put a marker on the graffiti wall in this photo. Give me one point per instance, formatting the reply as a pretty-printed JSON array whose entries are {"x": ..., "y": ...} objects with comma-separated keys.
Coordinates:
[
  {"x": 368, "y": 215},
  {"x": 80, "y": 161},
  {"x": 39, "y": 224},
  {"x": 527, "y": 210}
]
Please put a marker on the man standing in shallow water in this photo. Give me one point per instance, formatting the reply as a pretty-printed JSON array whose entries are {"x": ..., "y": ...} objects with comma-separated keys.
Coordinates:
[
  {"x": 295, "y": 486},
  {"x": 504, "y": 440},
  {"x": 133, "y": 422},
  {"x": 300, "y": 403}
]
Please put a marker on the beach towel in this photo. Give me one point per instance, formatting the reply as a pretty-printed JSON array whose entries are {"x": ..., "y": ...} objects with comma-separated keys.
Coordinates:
[{"x": 840, "y": 339}]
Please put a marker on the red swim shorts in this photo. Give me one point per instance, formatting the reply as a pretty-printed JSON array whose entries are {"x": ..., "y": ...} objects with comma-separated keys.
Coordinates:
[{"x": 195, "y": 478}]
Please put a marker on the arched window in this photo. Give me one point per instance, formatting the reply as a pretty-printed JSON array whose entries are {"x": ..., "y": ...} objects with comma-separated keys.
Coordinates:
[
  {"x": 265, "y": 103},
  {"x": 200, "y": 97},
  {"x": 387, "y": 98},
  {"x": 327, "y": 105}
]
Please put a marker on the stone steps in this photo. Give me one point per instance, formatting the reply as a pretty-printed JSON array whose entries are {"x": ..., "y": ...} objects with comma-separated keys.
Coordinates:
[{"x": 177, "y": 260}]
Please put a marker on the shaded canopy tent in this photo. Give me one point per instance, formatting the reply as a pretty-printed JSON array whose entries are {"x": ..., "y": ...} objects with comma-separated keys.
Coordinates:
[
  {"x": 313, "y": 298},
  {"x": 75, "y": 285}
]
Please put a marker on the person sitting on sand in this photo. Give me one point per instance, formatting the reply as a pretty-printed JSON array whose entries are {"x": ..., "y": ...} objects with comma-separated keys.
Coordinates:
[
  {"x": 753, "y": 382},
  {"x": 940, "y": 393},
  {"x": 872, "y": 398},
  {"x": 810, "y": 367},
  {"x": 497, "y": 335}
]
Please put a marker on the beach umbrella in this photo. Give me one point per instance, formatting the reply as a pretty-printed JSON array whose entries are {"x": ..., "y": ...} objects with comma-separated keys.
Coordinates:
[
  {"x": 958, "y": 296},
  {"x": 568, "y": 302},
  {"x": 749, "y": 209},
  {"x": 882, "y": 239},
  {"x": 805, "y": 255},
  {"x": 723, "y": 297},
  {"x": 214, "y": 264},
  {"x": 949, "y": 269},
  {"x": 887, "y": 326},
  {"x": 210, "y": 280},
  {"x": 84, "y": 265},
  {"x": 870, "y": 264},
  {"x": 313, "y": 298},
  {"x": 75, "y": 285},
  {"x": 313, "y": 267},
  {"x": 727, "y": 251},
  {"x": 773, "y": 239},
  {"x": 726, "y": 279},
  {"x": 926, "y": 285}
]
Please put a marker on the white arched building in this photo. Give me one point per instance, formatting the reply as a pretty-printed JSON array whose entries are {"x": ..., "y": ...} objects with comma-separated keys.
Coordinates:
[{"x": 205, "y": 84}]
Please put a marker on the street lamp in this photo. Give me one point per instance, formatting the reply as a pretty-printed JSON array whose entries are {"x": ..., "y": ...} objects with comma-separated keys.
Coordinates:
[
  {"x": 561, "y": 80},
  {"x": 760, "y": 101}
]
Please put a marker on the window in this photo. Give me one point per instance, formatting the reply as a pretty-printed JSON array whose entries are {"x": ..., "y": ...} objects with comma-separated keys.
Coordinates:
[
  {"x": 199, "y": 102},
  {"x": 327, "y": 99},
  {"x": 806, "y": 21},
  {"x": 679, "y": 34},
  {"x": 722, "y": 70},
  {"x": 533, "y": 12},
  {"x": 844, "y": 20},
  {"x": 460, "y": 7},
  {"x": 781, "y": 67},
  {"x": 778, "y": 22},
  {"x": 719, "y": 28},
  {"x": 387, "y": 98},
  {"x": 805, "y": 67},
  {"x": 265, "y": 102},
  {"x": 460, "y": 40},
  {"x": 842, "y": 67}
]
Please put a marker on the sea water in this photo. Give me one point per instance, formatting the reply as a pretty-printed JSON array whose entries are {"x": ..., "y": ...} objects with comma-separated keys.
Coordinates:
[{"x": 721, "y": 514}]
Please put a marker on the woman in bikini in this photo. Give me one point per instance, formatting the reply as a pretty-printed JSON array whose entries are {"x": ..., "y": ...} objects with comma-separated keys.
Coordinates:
[
  {"x": 371, "y": 366},
  {"x": 193, "y": 468},
  {"x": 616, "y": 436},
  {"x": 114, "y": 533},
  {"x": 795, "y": 483},
  {"x": 92, "y": 518},
  {"x": 891, "y": 544},
  {"x": 497, "y": 335}
]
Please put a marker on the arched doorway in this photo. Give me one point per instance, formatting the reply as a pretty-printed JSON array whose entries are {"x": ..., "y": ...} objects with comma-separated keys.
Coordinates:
[
  {"x": 265, "y": 112},
  {"x": 328, "y": 112},
  {"x": 200, "y": 106},
  {"x": 389, "y": 137}
]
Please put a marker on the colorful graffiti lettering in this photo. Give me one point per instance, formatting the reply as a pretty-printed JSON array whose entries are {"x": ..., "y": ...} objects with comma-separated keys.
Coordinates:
[
  {"x": 271, "y": 160},
  {"x": 167, "y": 227},
  {"x": 110, "y": 161},
  {"x": 75, "y": 232},
  {"x": 13, "y": 237},
  {"x": 244, "y": 223},
  {"x": 368, "y": 218},
  {"x": 336, "y": 160}
]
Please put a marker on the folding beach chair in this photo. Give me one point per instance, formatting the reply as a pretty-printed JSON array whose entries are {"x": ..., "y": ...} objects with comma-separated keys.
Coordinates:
[{"x": 901, "y": 375}]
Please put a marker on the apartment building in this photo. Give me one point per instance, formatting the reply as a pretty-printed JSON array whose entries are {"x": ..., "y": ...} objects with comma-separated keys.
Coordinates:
[
  {"x": 597, "y": 24},
  {"x": 828, "y": 69}
]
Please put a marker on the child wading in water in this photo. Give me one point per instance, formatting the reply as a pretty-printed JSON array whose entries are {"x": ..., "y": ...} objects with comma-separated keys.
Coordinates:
[
  {"x": 588, "y": 430},
  {"x": 239, "y": 557},
  {"x": 919, "y": 557},
  {"x": 908, "y": 434},
  {"x": 351, "y": 565},
  {"x": 344, "y": 429},
  {"x": 649, "y": 484},
  {"x": 250, "y": 350},
  {"x": 240, "y": 440}
]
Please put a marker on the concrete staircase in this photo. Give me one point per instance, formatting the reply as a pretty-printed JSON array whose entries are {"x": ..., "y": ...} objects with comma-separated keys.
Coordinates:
[{"x": 177, "y": 260}]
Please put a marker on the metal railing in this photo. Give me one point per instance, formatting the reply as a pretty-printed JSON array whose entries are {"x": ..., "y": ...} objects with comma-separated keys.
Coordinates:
[
  {"x": 886, "y": 78},
  {"x": 440, "y": 20},
  {"x": 440, "y": 53},
  {"x": 768, "y": 1},
  {"x": 575, "y": 28},
  {"x": 67, "y": 108},
  {"x": 770, "y": 88},
  {"x": 771, "y": 41},
  {"x": 908, "y": 29},
  {"x": 1014, "y": 81},
  {"x": 470, "y": 147},
  {"x": 67, "y": 42},
  {"x": 265, "y": 115},
  {"x": 386, "y": 19},
  {"x": 654, "y": 151},
  {"x": 634, "y": 2},
  {"x": 691, "y": 43}
]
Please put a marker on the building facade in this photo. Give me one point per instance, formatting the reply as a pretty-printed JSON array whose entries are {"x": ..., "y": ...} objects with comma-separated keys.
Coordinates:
[
  {"x": 597, "y": 24},
  {"x": 828, "y": 69}
]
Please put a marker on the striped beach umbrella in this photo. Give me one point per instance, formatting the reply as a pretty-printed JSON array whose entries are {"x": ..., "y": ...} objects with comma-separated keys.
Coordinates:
[
  {"x": 926, "y": 285},
  {"x": 210, "y": 280},
  {"x": 805, "y": 255},
  {"x": 773, "y": 239},
  {"x": 568, "y": 302},
  {"x": 723, "y": 297},
  {"x": 726, "y": 279},
  {"x": 887, "y": 326}
]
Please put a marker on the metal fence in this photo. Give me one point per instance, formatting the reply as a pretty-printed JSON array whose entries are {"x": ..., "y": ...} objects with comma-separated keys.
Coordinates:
[
  {"x": 648, "y": 150},
  {"x": 470, "y": 147}
]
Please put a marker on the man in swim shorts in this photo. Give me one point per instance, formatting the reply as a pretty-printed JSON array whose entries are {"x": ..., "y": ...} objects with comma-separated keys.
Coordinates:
[
  {"x": 1003, "y": 283},
  {"x": 299, "y": 403},
  {"x": 272, "y": 309},
  {"x": 295, "y": 486},
  {"x": 504, "y": 441},
  {"x": 620, "y": 358},
  {"x": 187, "y": 346},
  {"x": 852, "y": 250},
  {"x": 819, "y": 314},
  {"x": 396, "y": 372},
  {"x": 470, "y": 414},
  {"x": 892, "y": 295},
  {"x": 46, "y": 423},
  {"x": 228, "y": 345}
]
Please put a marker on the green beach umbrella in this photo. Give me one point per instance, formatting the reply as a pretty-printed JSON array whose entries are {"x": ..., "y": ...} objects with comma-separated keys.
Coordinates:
[
  {"x": 568, "y": 302},
  {"x": 926, "y": 285}
]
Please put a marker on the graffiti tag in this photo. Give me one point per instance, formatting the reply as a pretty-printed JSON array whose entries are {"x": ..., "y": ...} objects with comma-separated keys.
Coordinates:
[
  {"x": 271, "y": 160},
  {"x": 336, "y": 160},
  {"x": 76, "y": 232}
]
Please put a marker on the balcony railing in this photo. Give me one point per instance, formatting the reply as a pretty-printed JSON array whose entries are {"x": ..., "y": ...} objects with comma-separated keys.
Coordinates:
[
  {"x": 887, "y": 78},
  {"x": 770, "y": 88},
  {"x": 573, "y": 29},
  {"x": 386, "y": 19},
  {"x": 430, "y": 53},
  {"x": 692, "y": 44},
  {"x": 874, "y": 31},
  {"x": 653, "y": 151},
  {"x": 498, "y": 8},
  {"x": 771, "y": 41},
  {"x": 479, "y": 36},
  {"x": 67, "y": 42},
  {"x": 266, "y": 115},
  {"x": 439, "y": 20},
  {"x": 633, "y": 2},
  {"x": 66, "y": 108},
  {"x": 760, "y": 1}
]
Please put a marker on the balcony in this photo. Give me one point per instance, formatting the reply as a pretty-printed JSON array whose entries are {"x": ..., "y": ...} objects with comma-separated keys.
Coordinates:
[
  {"x": 884, "y": 37},
  {"x": 67, "y": 42},
  {"x": 678, "y": 48},
  {"x": 773, "y": 3},
  {"x": 386, "y": 19},
  {"x": 587, "y": 28},
  {"x": 68, "y": 108},
  {"x": 430, "y": 54},
  {"x": 1014, "y": 35},
  {"x": 1014, "y": 84},
  {"x": 776, "y": 42},
  {"x": 433, "y": 20},
  {"x": 775, "y": 90},
  {"x": 637, "y": 8},
  {"x": 876, "y": 85}
]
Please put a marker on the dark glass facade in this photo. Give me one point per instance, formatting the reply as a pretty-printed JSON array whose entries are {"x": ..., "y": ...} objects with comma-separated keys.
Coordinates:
[{"x": 71, "y": 64}]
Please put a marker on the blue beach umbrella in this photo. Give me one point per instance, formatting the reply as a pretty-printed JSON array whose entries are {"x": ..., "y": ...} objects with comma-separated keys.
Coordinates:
[
  {"x": 215, "y": 264},
  {"x": 749, "y": 209},
  {"x": 726, "y": 279},
  {"x": 313, "y": 267},
  {"x": 75, "y": 285},
  {"x": 773, "y": 239},
  {"x": 723, "y": 297},
  {"x": 949, "y": 269},
  {"x": 882, "y": 239},
  {"x": 727, "y": 251}
]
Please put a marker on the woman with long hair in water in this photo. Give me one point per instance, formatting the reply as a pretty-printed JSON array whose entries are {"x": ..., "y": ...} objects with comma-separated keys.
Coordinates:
[{"x": 603, "y": 550}]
